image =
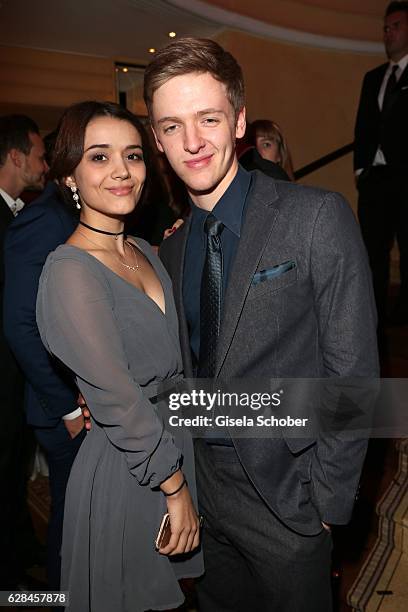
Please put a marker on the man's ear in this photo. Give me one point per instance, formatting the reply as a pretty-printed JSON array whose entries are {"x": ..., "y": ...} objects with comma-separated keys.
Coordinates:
[
  {"x": 16, "y": 157},
  {"x": 158, "y": 143},
  {"x": 241, "y": 123}
]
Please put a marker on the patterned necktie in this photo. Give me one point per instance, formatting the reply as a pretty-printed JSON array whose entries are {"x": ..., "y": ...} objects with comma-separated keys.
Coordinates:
[
  {"x": 210, "y": 298},
  {"x": 389, "y": 89}
]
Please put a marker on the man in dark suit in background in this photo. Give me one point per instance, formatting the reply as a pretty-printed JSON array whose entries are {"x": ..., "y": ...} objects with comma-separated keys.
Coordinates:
[
  {"x": 50, "y": 395},
  {"x": 381, "y": 161},
  {"x": 271, "y": 280},
  {"x": 22, "y": 165}
]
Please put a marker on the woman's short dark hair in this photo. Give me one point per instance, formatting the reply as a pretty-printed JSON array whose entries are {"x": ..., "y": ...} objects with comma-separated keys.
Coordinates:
[{"x": 69, "y": 145}]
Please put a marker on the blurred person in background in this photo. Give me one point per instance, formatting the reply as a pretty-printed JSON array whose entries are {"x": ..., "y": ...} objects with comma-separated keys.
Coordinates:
[
  {"x": 381, "y": 164},
  {"x": 22, "y": 166},
  {"x": 268, "y": 150}
]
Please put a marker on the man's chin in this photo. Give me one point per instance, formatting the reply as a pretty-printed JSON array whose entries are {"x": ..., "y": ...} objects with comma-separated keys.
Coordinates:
[
  {"x": 205, "y": 187},
  {"x": 197, "y": 191},
  {"x": 36, "y": 185},
  {"x": 208, "y": 183}
]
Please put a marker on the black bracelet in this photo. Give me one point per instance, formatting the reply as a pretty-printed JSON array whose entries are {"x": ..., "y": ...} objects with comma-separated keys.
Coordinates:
[{"x": 178, "y": 489}]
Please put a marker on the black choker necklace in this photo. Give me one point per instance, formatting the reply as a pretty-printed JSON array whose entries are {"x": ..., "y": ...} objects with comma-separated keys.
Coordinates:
[{"x": 99, "y": 231}]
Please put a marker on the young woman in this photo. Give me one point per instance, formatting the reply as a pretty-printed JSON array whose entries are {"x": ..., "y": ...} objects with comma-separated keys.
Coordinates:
[
  {"x": 264, "y": 148},
  {"x": 105, "y": 309},
  {"x": 270, "y": 143}
]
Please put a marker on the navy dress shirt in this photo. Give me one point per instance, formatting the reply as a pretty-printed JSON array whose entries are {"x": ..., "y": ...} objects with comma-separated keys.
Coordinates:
[{"x": 230, "y": 210}]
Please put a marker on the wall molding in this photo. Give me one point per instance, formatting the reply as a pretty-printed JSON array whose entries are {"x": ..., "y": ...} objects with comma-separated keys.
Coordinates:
[{"x": 259, "y": 28}]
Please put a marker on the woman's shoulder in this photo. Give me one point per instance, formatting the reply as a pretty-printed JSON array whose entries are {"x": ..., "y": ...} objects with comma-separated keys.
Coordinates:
[
  {"x": 69, "y": 251},
  {"x": 73, "y": 276},
  {"x": 71, "y": 258}
]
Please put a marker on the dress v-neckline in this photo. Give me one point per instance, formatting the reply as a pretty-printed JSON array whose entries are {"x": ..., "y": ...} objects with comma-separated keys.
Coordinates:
[{"x": 150, "y": 299}]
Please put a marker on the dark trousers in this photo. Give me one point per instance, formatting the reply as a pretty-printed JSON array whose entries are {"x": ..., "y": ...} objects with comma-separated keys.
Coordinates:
[
  {"x": 383, "y": 216},
  {"x": 17, "y": 539},
  {"x": 252, "y": 560},
  {"x": 61, "y": 451}
]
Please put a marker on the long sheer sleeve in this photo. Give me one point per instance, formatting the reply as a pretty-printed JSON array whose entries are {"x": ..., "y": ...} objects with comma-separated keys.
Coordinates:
[{"x": 77, "y": 323}]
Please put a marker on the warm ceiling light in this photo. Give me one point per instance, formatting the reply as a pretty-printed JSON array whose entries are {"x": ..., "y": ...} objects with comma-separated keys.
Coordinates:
[
  {"x": 152, "y": 50},
  {"x": 172, "y": 34},
  {"x": 125, "y": 69}
]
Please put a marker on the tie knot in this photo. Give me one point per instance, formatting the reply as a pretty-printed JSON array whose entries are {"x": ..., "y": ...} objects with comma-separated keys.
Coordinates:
[
  {"x": 392, "y": 79},
  {"x": 212, "y": 226}
]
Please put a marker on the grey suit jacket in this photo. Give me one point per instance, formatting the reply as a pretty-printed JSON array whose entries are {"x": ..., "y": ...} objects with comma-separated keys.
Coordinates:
[{"x": 315, "y": 320}]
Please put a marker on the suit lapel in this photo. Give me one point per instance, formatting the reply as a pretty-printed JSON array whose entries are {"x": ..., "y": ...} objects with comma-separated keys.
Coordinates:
[
  {"x": 403, "y": 80},
  {"x": 177, "y": 279},
  {"x": 258, "y": 224},
  {"x": 380, "y": 78},
  {"x": 6, "y": 216}
]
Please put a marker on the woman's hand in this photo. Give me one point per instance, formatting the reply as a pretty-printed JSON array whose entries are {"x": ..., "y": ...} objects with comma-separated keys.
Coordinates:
[
  {"x": 184, "y": 522},
  {"x": 85, "y": 411},
  {"x": 168, "y": 232}
]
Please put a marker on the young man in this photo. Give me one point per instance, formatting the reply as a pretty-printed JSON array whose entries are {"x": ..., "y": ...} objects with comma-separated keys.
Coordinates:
[
  {"x": 22, "y": 165},
  {"x": 381, "y": 161},
  {"x": 286, "y": 269}
]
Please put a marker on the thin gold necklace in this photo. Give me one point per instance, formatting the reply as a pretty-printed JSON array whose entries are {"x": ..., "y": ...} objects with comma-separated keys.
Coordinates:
[{"x": 133, "y": 268}]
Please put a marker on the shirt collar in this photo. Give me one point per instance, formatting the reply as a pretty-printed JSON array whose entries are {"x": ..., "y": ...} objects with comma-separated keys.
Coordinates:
[
  {"x": 230, "y": 207},
  {"x": 14, "y": 205},
  {"x": 403, "y": 62}
]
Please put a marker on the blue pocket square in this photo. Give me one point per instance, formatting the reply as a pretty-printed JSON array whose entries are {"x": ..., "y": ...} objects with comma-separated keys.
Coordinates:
[{"x": 264, "y": 275}]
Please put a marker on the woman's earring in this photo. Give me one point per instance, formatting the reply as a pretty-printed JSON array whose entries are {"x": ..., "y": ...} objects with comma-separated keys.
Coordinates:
[{"x": 75, "y": 196}]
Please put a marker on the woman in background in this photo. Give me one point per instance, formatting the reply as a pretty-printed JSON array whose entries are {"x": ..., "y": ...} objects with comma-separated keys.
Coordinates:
[
  {"x": 271, "y": 144},
  {"x": 105, "y": 309},
  {"x": 266, "y": 149}
]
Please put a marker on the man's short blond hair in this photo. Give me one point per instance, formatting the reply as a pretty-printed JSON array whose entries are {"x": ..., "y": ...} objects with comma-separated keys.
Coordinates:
[{"x": 199, "y": 55}]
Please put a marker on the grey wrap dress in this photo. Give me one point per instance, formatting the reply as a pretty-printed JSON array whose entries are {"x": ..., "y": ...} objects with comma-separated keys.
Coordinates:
[{"x": 120, "y": 347}]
